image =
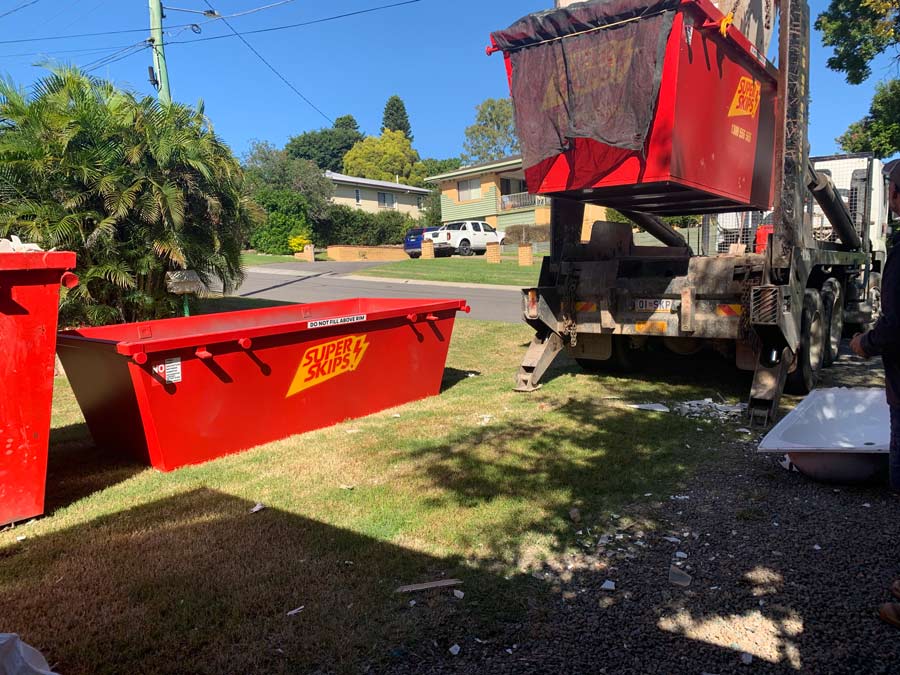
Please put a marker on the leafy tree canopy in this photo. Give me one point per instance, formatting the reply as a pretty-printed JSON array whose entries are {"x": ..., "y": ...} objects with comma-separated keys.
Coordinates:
[
  {"x": 387, "y": 157},
  {"x": 859, "y": 30},
  {"x": 879, "y": 131},
  {"x": 493, "y": 135},
  {"x": 395, "y": 117},
  {"x": 268, "y": 168},
  {"x": 286, "y": 218},
  {"x": 326, "y": 147},
  {"x": 135, "y": 188}
]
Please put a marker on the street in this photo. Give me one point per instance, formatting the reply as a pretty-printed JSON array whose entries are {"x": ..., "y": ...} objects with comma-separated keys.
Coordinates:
[{"x": 319, "y": 282}]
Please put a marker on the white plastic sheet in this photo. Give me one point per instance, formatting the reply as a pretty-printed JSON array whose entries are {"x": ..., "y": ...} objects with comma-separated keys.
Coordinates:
[{"x": 20, "y": 658}]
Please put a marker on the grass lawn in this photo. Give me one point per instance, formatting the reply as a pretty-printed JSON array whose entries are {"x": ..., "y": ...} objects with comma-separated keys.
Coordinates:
[
  {"x": 137, "y": 571},
  {"x": 254, "y": 259},
  {"x": 474, "y": 270}
]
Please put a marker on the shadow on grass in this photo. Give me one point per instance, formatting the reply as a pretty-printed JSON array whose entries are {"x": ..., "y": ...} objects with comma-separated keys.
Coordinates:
[
  {"x": 76, "y": 468},
  {"x": 197, "y": 584},
  {"x": 453, "y": 376}
]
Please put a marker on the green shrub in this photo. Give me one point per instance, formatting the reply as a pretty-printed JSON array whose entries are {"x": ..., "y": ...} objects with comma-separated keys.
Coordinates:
[
  {"x": 286, "y": 218},
  {"x": 354, "y": 227}
]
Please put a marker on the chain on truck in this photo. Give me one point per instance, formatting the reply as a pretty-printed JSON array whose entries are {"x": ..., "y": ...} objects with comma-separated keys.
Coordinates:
[{"x": 671, "y": 108}]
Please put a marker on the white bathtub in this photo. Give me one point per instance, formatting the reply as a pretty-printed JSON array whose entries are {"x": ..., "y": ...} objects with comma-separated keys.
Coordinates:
[{"x": 835, "y": 434}]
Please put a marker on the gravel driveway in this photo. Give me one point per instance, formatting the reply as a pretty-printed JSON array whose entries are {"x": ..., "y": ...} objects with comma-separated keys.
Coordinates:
[{"x": 786, "y": 575}]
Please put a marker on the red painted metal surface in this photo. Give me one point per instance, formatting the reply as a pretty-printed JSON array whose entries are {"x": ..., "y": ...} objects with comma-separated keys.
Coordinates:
[
  {"x": 29, "y": 299},
  {"x": 711, "y": 144},
  {"x": 183, "y": 391}
]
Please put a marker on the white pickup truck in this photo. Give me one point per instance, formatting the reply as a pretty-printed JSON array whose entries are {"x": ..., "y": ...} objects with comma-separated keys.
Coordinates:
[{"x": 464, "y": 237}]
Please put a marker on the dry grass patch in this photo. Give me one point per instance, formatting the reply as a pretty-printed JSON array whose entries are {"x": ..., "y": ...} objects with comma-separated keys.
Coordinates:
[{"x": 137, "y": 571}]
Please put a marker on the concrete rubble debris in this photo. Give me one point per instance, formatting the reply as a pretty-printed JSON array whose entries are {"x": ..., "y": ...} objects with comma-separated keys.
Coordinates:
[
  {"x": 608, "y": 585},
  {"x": 21, "y": 538},
  {"x": 295, "y": 611},
  {"x": 679, "y": 577},
  {"x": 455, "y": 649},
  {"x": 458, "y": 594},
  {"x": 259, "y": 507},
  {"x": 440, "y": 583},
  {"x": 672, "y": 540},
  {"x": 16, "y": 245},
  {"x": 746, "y": 658},
  {"x": 681, "y": 555},
  {"x": 651, "y": 407}
]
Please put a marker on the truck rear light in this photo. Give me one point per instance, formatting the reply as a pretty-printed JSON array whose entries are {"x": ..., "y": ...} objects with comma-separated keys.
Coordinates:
[{"x": 532, "y": 309}]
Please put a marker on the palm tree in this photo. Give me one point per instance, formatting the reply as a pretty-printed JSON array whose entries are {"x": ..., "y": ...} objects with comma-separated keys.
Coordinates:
[{"x": 135, "y": 188}]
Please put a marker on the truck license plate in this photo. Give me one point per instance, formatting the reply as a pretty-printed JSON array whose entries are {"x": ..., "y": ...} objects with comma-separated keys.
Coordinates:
[{"x": 652, "y": 305}]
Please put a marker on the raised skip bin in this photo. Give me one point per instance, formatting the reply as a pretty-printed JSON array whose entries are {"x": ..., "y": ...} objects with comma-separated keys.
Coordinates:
[{"x": 183, "y": 391}]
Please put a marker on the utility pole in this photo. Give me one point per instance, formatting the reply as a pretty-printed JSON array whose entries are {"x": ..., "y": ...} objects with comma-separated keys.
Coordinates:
[{"x": 159, "y": 51}]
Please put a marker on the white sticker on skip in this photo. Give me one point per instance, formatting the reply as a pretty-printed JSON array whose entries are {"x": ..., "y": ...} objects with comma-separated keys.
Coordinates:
[
  {"x": 340, "y": 321},
  {"x": 173, "y": 370}
]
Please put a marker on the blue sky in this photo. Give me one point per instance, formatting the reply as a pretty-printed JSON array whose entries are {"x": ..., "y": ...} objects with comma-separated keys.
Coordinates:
[{"x": 431, "y": 53}]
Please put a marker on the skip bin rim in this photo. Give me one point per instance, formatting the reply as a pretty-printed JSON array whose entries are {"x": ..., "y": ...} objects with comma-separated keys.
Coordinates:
[
  {"x": 163, "y": 344},
  {"x": 14, "y": 261}
]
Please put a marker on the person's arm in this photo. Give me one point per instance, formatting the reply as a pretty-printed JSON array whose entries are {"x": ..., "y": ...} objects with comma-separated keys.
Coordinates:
[{"x": 885, "y": 336}]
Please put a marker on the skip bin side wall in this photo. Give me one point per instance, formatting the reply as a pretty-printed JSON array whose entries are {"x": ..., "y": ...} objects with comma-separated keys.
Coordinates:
[
  {"x": 29, "y": 297},
  {"x": 239, "y": 398}
]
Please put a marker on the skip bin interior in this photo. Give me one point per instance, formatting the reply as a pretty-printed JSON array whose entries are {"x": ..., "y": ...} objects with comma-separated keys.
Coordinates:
[
  {"x": 183, "y": 391},
  {"x": 835, "y": 434},
  {"x": 601, "y": 118}
]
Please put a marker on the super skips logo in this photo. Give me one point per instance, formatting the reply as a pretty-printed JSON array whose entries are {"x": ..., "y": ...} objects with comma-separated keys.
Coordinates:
[
  {"x": 328, "y": 360},
  {"x": 746, "y": 98}
]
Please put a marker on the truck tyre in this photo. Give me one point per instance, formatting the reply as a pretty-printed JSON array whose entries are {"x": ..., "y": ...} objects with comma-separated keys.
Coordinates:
[
  {"x": 833, "y": 305},
  {"x": 811, "y": 348},
  {"x": 465, "y": 248},
  {"x": 414, "y": 255},
  {"x": 622, "y": 360}
]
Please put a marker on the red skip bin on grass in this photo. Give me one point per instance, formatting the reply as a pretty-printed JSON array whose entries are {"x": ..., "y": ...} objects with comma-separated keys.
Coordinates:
[
  {"x": 29, "y": 299},
  {"x": 183, "y": 391}
]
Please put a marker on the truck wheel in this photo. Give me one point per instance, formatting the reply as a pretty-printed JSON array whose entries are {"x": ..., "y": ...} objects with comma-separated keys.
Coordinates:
[
  {"x": 875, "y": 299},
  {"x": 622, "y": 360},
  {"x": 465, "y": 248},
  {"x": 833, "y": 304},
  {"x": 811, "y": 348},
  {"x": 414, "y": 255}
]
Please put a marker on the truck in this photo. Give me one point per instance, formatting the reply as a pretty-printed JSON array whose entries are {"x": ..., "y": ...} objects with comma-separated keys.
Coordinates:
[
  {"x": 720, "y": 133},
  {"x": 465, "y": 237}
]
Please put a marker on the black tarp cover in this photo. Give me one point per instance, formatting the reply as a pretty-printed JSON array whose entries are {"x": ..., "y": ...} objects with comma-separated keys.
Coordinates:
[{"x": 590, "y": 70}]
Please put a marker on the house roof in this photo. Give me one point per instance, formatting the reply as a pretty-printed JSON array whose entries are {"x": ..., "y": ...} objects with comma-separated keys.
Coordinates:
[
  {"x": 368, "y": 182},
  {"x": 511, "y": 162}
]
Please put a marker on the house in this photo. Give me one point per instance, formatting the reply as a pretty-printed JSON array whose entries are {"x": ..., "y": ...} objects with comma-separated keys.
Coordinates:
[
  {"x": 494, "y": 192},
  {"x": 377, "y": 195}
]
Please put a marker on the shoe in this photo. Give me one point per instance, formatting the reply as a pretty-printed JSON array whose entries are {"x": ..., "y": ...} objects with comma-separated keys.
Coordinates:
[
  {"x": 889, "y": 612},
  {"x": 895, "y": 589}
]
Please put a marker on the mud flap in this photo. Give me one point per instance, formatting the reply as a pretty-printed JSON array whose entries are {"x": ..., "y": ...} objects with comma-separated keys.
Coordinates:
[{"x": 537, "y": 359}]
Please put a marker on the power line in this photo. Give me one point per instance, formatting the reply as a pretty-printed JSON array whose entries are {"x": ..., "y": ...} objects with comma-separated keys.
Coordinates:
[
  {"x": 115, "y": 56},
  {"x": 16, "y": 9},
  {"x": 271, "y": 67},
  {"x": 296, "y": 25},
  {"x": 131, "y": 30},
  {"x": 83, "y": 50}
]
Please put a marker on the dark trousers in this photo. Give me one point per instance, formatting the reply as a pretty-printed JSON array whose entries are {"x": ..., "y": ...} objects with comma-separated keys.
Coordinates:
[{"x": 895, "y": 448}]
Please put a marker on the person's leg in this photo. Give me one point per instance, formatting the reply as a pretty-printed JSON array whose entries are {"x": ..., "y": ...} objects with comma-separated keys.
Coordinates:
[{"x": 895, "y": 449}]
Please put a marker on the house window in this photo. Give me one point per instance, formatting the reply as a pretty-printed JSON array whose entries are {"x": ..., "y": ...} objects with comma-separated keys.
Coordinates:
[
  {"x": 469, "y": 189},
  {"x": 358, "y": 196},
  {"x": 386, "y": 200}
]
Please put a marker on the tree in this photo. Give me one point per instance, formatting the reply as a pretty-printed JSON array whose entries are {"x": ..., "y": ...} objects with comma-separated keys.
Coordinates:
[
  {"x": 387, "y": 157},
  {"x": 395, "y": 117},
  {"x": 432, "y": 167},
  {"x": 269, "y": 168},
  {"x": 859, "y": 31},
  {"x": 326, "y": 147},
  {"x": 493, "y": 136},
  {"x": 135, "y": 188},
  {"x": 286, "y": 218},
  {"x": 879, "y": 131}
]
